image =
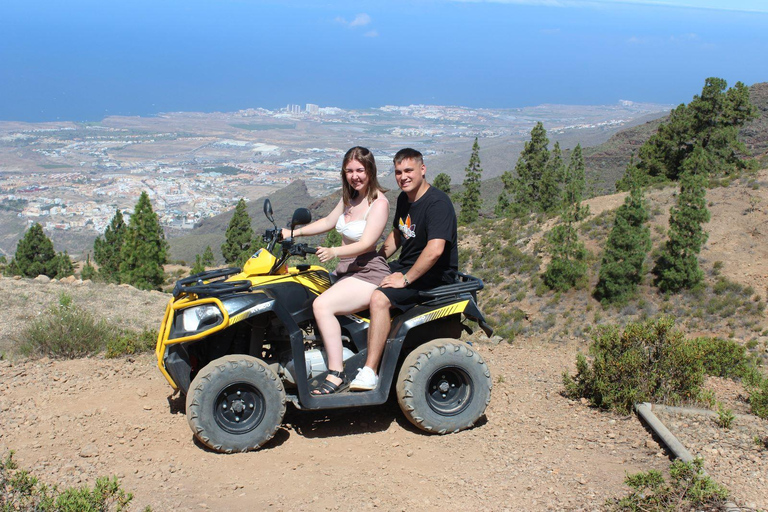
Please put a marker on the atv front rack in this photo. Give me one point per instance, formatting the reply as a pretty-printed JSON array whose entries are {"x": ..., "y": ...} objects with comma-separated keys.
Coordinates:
[{"x": 211, "y": 283}]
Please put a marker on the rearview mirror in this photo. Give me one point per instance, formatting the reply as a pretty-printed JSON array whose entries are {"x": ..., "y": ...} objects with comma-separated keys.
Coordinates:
[
  {"x": 268, "y": 211},
  {"x": 300, "y": 216}
]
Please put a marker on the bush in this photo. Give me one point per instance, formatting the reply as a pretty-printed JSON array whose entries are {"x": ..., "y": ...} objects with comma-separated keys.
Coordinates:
[
  {"x": 564, "y": 274},
  {"x": 723, "y": 358},
  {"x": 758, "y": 399},
  {"x": 648, "y": 361},
  {"x": 65, "y": 331},
  {"x": 19, "y": 490},
  {"x": 129, "y": 343},
  {"x": 688, "y": 489}
]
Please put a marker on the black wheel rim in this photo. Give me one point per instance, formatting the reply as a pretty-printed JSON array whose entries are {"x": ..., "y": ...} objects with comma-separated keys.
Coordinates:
[
  {"x": 239, "y": 408},
  {"x": 449, "y": 391}
]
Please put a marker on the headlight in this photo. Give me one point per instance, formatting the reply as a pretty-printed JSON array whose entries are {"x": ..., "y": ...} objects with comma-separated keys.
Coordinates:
[{"x": 194, "y": 319}]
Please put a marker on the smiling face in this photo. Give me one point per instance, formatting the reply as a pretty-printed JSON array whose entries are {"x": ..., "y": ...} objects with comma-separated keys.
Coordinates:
[
  {"x": 409, "y": 174},
  {"x": 356, "y": 176}
]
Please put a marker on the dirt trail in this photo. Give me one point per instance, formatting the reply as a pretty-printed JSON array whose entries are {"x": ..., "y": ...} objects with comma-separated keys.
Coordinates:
[{"x": 72, "y": 421}]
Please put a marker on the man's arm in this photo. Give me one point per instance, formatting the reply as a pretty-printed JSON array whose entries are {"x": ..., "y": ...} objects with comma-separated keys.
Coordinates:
[
  {"x": 390, "y": 245},
  {"x": 425, "y": 261}
]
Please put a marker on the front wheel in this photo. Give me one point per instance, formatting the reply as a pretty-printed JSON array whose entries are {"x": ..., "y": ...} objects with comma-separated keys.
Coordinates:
[
  {"x": 235, "y": 404},
  {"x": 444, "y": 386}
]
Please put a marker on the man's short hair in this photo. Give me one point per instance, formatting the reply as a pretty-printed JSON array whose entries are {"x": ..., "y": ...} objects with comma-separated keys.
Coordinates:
[{"x": 409, "y": 154}]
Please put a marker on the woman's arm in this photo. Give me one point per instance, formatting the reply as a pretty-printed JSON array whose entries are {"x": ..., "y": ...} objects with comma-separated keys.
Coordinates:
[
  {"x": 374, "y": 227},
  {"x": 319, "y": 226}
]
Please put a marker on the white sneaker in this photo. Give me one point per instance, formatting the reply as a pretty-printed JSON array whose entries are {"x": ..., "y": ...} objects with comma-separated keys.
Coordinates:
[{"x": 366, "y": 380}]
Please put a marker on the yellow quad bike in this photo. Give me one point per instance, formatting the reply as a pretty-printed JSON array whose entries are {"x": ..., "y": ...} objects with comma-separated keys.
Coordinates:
[{"x": 241, "y": 344}]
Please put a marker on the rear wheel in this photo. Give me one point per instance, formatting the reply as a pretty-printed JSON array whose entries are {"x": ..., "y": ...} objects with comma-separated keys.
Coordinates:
[
  {"x": 235, "y": 404},
  {"x": 444, "y": 386}
]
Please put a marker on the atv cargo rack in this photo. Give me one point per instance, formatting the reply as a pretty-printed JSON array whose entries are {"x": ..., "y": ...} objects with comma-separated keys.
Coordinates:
[
  {"x": 203, "y": 284},
  {"x": 464, "y": 284}
]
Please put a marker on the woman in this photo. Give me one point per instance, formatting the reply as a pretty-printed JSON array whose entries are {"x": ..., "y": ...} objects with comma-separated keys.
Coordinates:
[{"x": 360, "y": 217}]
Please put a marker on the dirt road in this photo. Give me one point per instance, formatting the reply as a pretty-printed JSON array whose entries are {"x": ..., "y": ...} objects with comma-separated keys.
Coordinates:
[{"x": 72, "y": 421}]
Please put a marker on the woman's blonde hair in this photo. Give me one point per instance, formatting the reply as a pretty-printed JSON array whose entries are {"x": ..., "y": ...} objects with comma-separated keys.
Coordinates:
[{"x": 365, "y": 157}]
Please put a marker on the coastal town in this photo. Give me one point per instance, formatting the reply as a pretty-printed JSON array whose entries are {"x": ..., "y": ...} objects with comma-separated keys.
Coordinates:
[{"x": 73, "y": 176}]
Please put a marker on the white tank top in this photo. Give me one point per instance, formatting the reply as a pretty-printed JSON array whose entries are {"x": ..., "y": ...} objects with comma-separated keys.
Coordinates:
[{"x": 353, "y": 230}]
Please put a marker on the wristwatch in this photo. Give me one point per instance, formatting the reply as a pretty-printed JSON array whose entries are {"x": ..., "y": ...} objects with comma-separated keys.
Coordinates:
[{"x": 405, "y": 279}]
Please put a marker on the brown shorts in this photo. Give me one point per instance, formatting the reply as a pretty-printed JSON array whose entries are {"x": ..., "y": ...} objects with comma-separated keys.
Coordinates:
[{"x": 368, "y": 267}]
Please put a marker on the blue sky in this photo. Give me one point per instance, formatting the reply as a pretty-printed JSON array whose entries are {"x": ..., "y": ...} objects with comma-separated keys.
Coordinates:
[{"x": 84, "y": 59}]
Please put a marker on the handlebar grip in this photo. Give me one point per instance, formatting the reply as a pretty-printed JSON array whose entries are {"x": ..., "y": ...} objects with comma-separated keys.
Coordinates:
[{"x": 310, "y": 250}]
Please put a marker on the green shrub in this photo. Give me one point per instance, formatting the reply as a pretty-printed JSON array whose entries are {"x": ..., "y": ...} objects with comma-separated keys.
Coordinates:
[
  {"x": 688, "y": 489},
  {"x": 648, "y": 361},
  {"x": 129, "y": 343},
  {"x": 725, "y": 417},
  {"x": 723, "y": 358},
  {"x": 65, "y": 331},
  {"x": 19, "y": 490},
  {"x": 508, "y": 323},
  {"x": 758, "y": 399},
  {"x": 517, "y": 262}
]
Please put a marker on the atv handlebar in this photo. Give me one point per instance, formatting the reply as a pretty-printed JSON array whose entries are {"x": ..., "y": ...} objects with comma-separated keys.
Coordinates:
[{"x": 297, "y": 249}]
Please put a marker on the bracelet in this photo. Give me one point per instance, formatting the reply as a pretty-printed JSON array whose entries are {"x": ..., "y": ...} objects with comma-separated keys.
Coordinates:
[{"x": 405, "y": 279}]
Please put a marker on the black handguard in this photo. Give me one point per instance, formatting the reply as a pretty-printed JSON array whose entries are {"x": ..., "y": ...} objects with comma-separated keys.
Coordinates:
[
  {"x": 302, "y": 250},
  {"x": 269, "y": 235}
]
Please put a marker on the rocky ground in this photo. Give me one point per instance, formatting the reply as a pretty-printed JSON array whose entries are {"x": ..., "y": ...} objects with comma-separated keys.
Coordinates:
[{"x": 72, "y": 421}]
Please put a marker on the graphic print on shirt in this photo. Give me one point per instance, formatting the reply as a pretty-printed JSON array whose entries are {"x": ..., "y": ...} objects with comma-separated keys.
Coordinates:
[{"x": 406, "y": 228}]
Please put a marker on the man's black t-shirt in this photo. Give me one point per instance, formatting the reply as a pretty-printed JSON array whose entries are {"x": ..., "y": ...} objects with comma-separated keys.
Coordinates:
[{"x": 429, "y": 217}]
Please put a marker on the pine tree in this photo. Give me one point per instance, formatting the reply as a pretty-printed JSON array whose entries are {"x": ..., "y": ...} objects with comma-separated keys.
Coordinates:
[
  {"x": 64, "y": 265},
  {"x": 144, "y": 250},
  {"x": 710, "y": 121},
  {"x": 502, "y": 205},
  {"x": 34, "y": 255},
  {"x": 239, "y": 235},
  {"x": 470, "y": 198},
  {"x": 199, "y": 266},
  {"x": 332, "y": 239},
  {"x": 88, "y": 272},
  {"x": 107, "y": 250},
  {"x": 621, "y": 270},
  {"x": 575, "y": 178},
  {"x": 677, "y": 267},
  {"x": 525, "y": 188},
  {"x": 442, "y": 182},
  {"x": 208, "y": 260},
  {"x": 552, "y": 181},
  {"x": 568, "y": 267}
]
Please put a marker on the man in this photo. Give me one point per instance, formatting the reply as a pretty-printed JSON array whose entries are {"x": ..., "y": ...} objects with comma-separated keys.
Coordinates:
[{"x": 425, "y": 229}]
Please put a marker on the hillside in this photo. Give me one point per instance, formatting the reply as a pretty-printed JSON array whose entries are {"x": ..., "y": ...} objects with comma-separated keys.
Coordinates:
[
  {"x": 535, "y": 450},
  {"x": 212, "y": 231},
  {"x": 606, "y": 162}
]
